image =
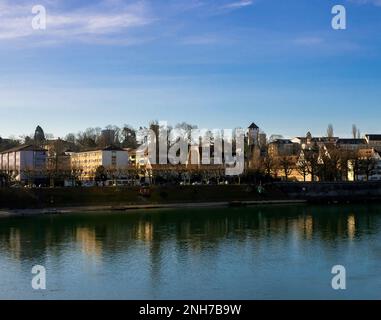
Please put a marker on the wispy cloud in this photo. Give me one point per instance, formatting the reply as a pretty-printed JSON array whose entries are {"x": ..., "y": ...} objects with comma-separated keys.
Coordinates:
[
  {"x": 309, "y": 41},
  {"x": 96, "y": 21},
  {"x": 109, "y": 22},
  {"x": 363, "y": 2},
  {"x": 238, "y": 4}
]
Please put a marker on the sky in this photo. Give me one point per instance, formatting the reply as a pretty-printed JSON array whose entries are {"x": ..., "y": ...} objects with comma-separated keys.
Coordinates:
[{"x": 213, "y": 63}]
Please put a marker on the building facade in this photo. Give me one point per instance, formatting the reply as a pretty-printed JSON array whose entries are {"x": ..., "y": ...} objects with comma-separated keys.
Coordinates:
[
  {"x": 367, "y": 167},
  {"x": 87, "y": 163},
  {"x": 352, "y": 144},
  {"x": 26, "y": 163},
  {"x": 374, "y": 140}
]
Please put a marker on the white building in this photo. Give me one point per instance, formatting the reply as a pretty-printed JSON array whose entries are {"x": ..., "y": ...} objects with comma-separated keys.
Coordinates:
[
  {"x": 24, "y": 163},
  {"x": 110, "y": 158}
]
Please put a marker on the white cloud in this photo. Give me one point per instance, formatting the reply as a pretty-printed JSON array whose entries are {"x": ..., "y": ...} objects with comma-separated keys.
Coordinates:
[
  {"x": 238, "y": 4},
  {"x": 108, "y": 22},
  {"x": 96, "y": 21},
  {"x": 362, "y": 2}
]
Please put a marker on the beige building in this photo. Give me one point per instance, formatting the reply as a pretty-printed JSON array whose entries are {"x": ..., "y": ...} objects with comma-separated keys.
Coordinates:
[
  {"x": 87, "y": 163},
  {"x": 283, "y": 147},
  {"x": 352, "y": 144}
]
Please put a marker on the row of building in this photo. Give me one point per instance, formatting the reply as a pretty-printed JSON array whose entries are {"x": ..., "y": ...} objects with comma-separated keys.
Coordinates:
[
  {"x": 29, "y": 162},
  {"x": 349, "y": 149}
]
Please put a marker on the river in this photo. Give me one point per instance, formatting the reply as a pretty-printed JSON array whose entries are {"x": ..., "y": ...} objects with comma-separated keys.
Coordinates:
[{"x": 273, "y": 252}]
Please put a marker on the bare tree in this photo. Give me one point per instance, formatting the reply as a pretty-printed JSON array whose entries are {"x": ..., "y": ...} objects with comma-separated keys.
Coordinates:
[
  {"x": 269, "y": 165},
  {"x": 355, "y": 165},
  {"x": 330, "y": 132},
  {"x": 345, "y": 159},
  {"x": 286, "y": 165},
  {"x": 303, "y": 167},
  {"x": 128, "y": 137},
  {"x": 329, "y": 169},
  {"x": 354, "y": 131},
  {"x": 367, "y": 165},
  {"x": 312, "y": 158}
]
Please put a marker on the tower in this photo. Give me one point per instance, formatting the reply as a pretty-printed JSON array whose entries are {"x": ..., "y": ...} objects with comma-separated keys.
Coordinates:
[{"x": 253, "y": 135}]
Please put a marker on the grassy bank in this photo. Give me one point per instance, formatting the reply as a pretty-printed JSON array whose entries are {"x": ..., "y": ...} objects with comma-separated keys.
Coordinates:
[{"x": 65, "y": 197}]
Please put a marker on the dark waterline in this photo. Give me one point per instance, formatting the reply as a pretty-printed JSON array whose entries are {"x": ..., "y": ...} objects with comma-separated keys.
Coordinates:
[{"x": 276, "y": 252}]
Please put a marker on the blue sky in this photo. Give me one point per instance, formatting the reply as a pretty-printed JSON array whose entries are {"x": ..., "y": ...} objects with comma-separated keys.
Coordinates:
[{"x": 214, "y": 63}]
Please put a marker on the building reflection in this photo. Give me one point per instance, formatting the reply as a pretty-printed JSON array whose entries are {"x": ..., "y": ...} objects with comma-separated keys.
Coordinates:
[
  {"x": 87, "y": 238},
  {"x": 144, "y": 231},
  {"x": 351, "y": 226},
  {"x": 306, "y": 226},
  {"x": 15, "y": 243},
  {"x": 189, "y": 235}
]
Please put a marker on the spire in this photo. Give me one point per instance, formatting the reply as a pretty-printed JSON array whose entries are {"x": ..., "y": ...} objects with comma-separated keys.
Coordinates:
[{"x": 253, "y": 126}]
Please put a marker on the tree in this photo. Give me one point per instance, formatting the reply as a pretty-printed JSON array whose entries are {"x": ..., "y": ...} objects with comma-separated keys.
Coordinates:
[
  {"x": 330, "y": 132},
  {"x": 76, "y": 173},
  {"x": 101, "y": 174},
  {"x": 4, "y": 178},
  {"x": 286, "y": 165},
  {"x": 367, "y": 165},
  {"x": 70, "y": 137},
  {"x": 329, "y": 168},
  {"x": 39, "y": 136},
  {"x": 345, "y": 158},
  {"x": 354, "y": 131},
  {"x": 128, "y": 137},
  {"x": 89, "y": 138},
  {"x": 312, "y": 158},
  {"x": 185, "y": 129},
  {"x": 269, "y": 165},
  {"x": 6, "y": 144},
  {"x": 303, "y": 167}
]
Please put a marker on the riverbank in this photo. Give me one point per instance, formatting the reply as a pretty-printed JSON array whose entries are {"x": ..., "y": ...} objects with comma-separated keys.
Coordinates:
[
  {"x": 332, "y": 192},
  {"x": 65, "y": 200},
  {"x": 133, "y": 208},
  {"x": 130, "y": 196}
]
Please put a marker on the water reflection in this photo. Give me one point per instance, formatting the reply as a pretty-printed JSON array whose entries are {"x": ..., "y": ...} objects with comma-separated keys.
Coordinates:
[
  {"x": 203, "y": 245},
  {"x": 14, "y": 243},
  {"x": 22, "y": 238},
  {"x": 351, "y": 226},
  {"x": 87, "y": 239}
]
